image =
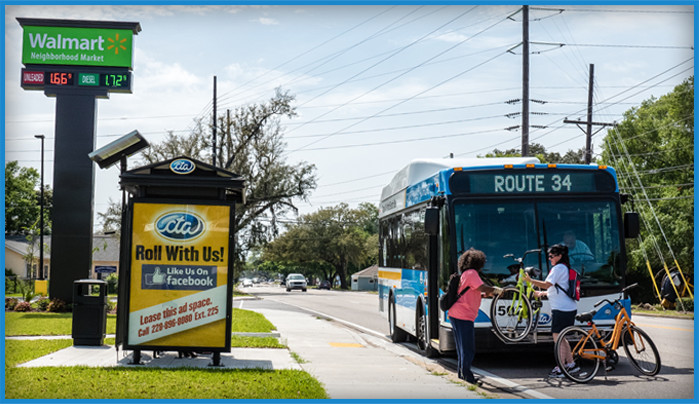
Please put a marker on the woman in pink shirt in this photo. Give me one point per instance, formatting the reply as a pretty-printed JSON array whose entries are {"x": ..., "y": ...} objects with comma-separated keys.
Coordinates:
[{"x": 463, "y": 313}]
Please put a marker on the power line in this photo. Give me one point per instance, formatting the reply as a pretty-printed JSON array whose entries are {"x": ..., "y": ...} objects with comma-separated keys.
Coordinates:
[
  {"x": 611, "y": 10},
  {"x": 561, "y": 44},
  {"x": 386, "y": 58}
]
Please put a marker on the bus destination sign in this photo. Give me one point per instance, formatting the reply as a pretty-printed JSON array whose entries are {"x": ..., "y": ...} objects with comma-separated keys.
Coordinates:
[
  {"x": 532, "y": 182},
  {"x": 36, "y": 79}
]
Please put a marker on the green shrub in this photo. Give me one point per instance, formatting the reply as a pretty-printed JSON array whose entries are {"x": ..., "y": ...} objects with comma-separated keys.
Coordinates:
[
  {"x": 26, "y": 289},
  {"x": 23, "y": 306},
  {"x": 112, "y": 283},
  {"x": 688, "y": 304},
  {"x": 10, "y": 282},
  {"x": 10, "y": 303},
  {"x": 42, "y": 304},
  {"x": 57, "y": 306}
]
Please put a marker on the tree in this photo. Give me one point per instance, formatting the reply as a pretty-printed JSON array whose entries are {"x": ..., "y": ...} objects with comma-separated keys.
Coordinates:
[
  {"x": 539, "y": 151},
  {"x": 22, "y": 200},
  {"x": 332, "y": 242},
  {"x": 111, "y": 219},
  {"x": 653, "y": 152},
  {"x": 250, "y": 144}
]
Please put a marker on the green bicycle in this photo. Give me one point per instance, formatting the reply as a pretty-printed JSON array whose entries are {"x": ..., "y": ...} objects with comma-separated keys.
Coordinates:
[{"x": 515, "y": 312}]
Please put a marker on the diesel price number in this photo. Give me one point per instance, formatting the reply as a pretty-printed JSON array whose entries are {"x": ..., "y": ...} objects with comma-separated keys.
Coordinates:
[{"x": 114, "y": 81}]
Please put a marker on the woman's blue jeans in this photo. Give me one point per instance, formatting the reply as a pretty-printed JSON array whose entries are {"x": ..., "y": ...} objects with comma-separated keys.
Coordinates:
[{"x": 465, "y": 338}]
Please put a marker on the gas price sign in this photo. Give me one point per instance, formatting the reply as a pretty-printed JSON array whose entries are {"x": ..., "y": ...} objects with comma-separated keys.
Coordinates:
[{"x": 34, "y": 79}]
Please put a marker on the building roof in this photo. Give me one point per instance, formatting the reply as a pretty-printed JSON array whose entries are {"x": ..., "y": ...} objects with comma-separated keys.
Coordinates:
[
  {"x": 106, "y": 246},
  {"x": 19, "y": 244},
  {"x": 372, "y": 271}
]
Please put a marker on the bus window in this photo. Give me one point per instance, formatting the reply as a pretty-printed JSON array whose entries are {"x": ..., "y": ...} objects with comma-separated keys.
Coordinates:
[
  {"x": 585, "y": 226},
  {"x": 497, "y": 229}
]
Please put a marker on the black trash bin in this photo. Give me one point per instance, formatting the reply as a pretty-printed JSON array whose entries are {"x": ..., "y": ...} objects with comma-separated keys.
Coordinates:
[{"x": 89, "y": 312}]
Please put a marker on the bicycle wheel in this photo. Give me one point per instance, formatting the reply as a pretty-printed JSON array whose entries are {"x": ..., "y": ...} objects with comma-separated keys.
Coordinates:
[
  {"x": 511, "y": 315},
  {"x": 585, "y": 354},
  {"x": 641, "y": 351}
]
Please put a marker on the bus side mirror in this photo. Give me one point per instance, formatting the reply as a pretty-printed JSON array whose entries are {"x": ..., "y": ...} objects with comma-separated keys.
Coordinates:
[
  {"x": 432, "y": 221},
  {"x": 632, "y": 227}
]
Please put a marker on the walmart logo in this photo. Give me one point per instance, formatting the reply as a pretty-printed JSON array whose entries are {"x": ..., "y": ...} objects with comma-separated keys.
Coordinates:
[{"x": 116, "y": 44}]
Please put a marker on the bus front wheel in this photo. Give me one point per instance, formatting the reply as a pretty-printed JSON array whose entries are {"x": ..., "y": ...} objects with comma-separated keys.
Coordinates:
[{"x": 422, "y": 334}]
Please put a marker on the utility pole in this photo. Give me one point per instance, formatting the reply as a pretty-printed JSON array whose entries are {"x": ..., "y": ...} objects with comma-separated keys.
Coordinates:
[
  {"x": 589, "y": 123},
  {"x": 213, "y": 162},
  {"x": 525, "y": 81},
  {"x": 41, "y": 213}
]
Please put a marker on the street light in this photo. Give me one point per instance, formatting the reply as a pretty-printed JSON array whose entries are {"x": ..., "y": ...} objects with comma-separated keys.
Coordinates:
[{"x": 41, "y": 212}]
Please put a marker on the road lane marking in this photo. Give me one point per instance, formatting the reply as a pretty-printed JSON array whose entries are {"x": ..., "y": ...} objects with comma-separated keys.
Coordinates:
[
  {"x": 345, "y": 345},
  {"x": 666, "y": 327}
]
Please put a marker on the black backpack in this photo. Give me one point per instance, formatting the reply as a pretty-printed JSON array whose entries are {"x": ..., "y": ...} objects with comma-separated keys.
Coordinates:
[{"x": 452, "y": 294}]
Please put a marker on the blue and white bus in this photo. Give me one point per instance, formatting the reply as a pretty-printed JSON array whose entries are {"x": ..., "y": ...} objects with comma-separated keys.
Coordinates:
[{"x": 434, "y": 209}]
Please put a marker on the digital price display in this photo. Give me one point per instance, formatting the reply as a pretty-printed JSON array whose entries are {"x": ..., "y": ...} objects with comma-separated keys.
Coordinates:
[{"x": 114, "y": 81}]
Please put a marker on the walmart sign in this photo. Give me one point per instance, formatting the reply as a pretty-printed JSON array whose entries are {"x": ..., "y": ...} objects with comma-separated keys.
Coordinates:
[{"x": 77, "y": 46}]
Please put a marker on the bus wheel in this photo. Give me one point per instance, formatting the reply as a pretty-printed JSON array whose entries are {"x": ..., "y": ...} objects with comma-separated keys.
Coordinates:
[
  {"x": 397, "y": 334},
  {"x": 421, "y": 334}
]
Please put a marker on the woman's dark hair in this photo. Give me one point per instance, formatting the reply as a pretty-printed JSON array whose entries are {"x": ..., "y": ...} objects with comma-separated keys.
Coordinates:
[
  {"x": 471, "y": 259},
  {"x": 562, "y": 250}
]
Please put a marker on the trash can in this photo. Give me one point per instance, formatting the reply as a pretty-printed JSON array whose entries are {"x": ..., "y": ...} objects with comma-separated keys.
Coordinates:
[{"x": 89, "y": 312}]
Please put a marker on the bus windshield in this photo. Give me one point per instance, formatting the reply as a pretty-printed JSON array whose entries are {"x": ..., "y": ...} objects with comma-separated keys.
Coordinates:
[{"x": 589, "y": 227}]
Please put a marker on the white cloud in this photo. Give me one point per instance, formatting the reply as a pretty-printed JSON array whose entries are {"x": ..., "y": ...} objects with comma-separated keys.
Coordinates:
[{"x": 267, "y": 21}]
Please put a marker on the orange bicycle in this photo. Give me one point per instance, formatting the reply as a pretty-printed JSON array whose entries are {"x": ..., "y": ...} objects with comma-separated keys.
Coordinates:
[{"x": 590, "y": 349}]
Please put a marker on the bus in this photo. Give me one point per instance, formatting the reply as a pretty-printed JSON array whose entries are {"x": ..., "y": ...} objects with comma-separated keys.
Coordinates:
[{"x": 435, "y": 209}]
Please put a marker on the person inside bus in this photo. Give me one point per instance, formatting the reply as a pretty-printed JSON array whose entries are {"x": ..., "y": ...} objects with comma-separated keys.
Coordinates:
[
  {"x": 463, "y": 313},
  {"x": 577, "y": 250},
  {"x": 563, "y": 308}
]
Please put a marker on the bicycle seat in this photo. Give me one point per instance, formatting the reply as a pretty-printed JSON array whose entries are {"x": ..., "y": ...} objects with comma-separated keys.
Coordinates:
[{"x": 586, "y": 317}]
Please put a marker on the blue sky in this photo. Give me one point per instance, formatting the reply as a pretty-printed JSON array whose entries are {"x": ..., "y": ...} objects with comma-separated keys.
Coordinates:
[{"x": 376, "y": 85}]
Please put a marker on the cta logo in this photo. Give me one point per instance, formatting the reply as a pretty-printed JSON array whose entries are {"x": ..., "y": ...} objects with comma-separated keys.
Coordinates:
[
  {"x": 544, "y": 319},
  {"x": 180, "y": 226},
  {"x": 182, "y": 166}
]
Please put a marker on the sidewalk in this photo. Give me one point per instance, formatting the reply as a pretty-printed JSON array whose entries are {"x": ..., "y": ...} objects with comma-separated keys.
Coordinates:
[
  {"x": 358, "y": 366},
  {"x": 350, "y": 365}
]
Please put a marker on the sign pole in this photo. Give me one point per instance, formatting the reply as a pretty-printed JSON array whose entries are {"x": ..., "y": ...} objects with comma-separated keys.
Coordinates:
[{"x": 76, "y": 61}]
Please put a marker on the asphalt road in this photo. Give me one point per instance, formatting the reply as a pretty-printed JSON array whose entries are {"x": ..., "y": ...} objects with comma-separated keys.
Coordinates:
[{"x": 522, "y": 374}]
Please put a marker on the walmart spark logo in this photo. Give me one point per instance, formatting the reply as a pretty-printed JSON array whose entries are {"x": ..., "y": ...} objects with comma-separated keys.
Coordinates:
[{"x": 116, "y": 44}]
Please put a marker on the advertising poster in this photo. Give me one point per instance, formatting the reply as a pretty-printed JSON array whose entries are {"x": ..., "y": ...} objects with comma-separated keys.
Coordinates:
[{"x": 179, "y": 273}]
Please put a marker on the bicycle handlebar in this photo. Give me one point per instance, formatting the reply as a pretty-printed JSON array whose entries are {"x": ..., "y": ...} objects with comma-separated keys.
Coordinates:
[{"x": 617, "y": 300}]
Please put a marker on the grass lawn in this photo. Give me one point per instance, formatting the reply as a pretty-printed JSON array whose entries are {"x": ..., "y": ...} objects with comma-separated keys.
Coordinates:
[
  {"x": 44, "y": 323},
  {"x": 663, "y": 313},
  {"x": 145, "y": 383},
  {"x": 20, "y": 351}
]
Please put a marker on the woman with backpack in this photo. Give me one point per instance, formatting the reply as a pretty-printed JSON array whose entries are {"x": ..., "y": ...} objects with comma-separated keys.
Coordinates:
[
  {"x": 464, "y": 311},
  {"x": 563, "y": 307}
]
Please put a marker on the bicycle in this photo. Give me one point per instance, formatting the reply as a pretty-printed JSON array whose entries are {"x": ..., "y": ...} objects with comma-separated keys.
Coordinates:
[
  {"x": 590, "y": 349},
  {"x": 515, "y": 313}
]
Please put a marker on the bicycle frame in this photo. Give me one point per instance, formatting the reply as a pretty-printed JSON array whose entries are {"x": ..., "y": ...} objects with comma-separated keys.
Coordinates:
[
  {"x": 526, "y": 290},
  {"x": 622, "y": 320}
]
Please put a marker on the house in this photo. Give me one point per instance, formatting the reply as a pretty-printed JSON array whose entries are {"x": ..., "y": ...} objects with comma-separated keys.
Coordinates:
[
  {"x": 105, "y": 256},
  {"x": 366, "y": 279},
  {"x": 17, "y": 248}
]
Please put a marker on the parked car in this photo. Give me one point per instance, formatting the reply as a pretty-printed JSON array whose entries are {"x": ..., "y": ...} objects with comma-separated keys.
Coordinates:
[
  {"x": 296, "y": 281},
  {"x": 324, "y": 285},
  {"x": 246, "y": 283}
]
